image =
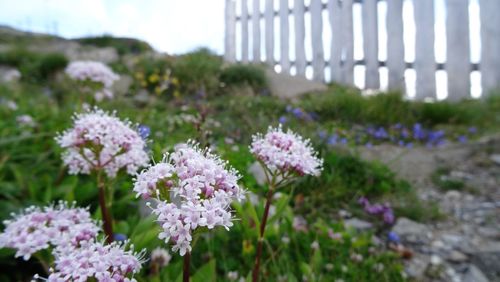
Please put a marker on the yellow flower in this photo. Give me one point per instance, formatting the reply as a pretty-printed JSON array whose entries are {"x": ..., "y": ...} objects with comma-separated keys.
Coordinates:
[
  {"x": 157, "y": 90},
  {"x": 139, "y": 75},
  {"x": 175, "y": 81},
  {"x": 153, "y": 78},
  {"x": 247, "y": 247}
]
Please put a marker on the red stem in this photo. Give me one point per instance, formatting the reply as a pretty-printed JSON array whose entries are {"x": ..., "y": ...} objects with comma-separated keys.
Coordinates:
[
  {"x": 185, "y": 274},
  {"x": 106, "y": 216},
  {"x": 255, "y": 274}
]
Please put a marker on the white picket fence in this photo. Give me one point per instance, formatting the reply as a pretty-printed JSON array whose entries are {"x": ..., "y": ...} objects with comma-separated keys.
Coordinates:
[{"x": 341, "y": 60}]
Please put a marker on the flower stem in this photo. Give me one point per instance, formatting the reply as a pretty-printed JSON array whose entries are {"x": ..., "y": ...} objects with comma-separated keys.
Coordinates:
[
  {"x": 187, "y": 261},
  {"x": 106, "y": 216},
  {"x": 255, "y": 274}
]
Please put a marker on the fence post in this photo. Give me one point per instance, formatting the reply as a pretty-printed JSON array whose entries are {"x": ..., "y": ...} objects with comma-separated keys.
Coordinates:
[
  {"x": 334, "y": 12},
  {"x": 269, "y": 20},
  {"x": 348, "y": 43},
  {"x": 458, "y": 63},
  {"x": 300, "y": 53},
  {"x": 425, "y": 63},
  {"x": 318, "y": 60},
  {"x": 284, "y": 32},
  {"x": 370, "y": 44},
  {"x": 490, "y": 46},
  {"x": 256, "y": 30},
  {"x": 230, "y": 38},
  {"x": 395, "y": 45},
  {"x": 244, "y": 31}
]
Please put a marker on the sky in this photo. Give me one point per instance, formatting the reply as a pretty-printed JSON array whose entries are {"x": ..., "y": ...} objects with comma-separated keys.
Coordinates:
[
  {"x": 179, "y": 26},
  {"x": 173, "y": 26}
]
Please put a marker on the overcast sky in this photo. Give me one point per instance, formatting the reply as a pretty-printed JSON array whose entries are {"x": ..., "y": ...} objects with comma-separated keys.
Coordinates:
[{"x": 173, "y": 26}]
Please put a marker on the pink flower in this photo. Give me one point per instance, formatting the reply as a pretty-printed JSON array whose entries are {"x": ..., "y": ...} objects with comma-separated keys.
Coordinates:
[
  {"x": 99, "y": 140},
  {"x": 286, "y": 152},
  {"x": 194, "y": 189},
  {"x": 96, "y": 73},
  {"x": 95, "y": 261},
  {"x": 36, "y": 229}
]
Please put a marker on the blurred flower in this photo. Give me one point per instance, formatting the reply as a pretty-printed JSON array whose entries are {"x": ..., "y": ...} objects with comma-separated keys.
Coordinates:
[
  {"x": 472, "y": 130},
  {"x": 285, "y": 240},
  {"x": 393, "y": 237},
  {"x": 144, "y": 131},
  {"x": 282, "y": 119},
  {"x": 160, "y": 257},
  {"x": 11, "y": 105},
  {"x": 462, "y": 139},
  {"x": 299, "y": 224},
  {"x": 94, "y": 72},
  {"x": 336, "y": 236},
  {"x": 25, "y": 120},
  {"x": 315, "y": 245},
  {"x": 232, "y": 275},
  {"x": 329, "y": 266},
  {"x": 119, "y": 237},
  {"x": 356, "y": 257}
]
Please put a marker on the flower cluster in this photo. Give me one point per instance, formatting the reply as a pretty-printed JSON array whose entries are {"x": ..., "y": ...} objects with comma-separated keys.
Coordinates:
[
  {"x": 383, "y": 210},
  {"x": 96, "y": 73},
  {"x": 94, "y": 260},
  {"x": 195, "y": 190},
  {"x": 36, "y": 229},
  {"x": 286, "y": 152},
  {"x": 397, "y": 134},
  {"x": 99, "y": 140}
]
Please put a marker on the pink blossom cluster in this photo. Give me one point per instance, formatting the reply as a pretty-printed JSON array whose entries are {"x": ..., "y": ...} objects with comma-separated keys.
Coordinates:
[
  {"x": 36, "y": 229},
  {"x": 95, "y": 261},
  {"x": 286, "y": 152},
  {"x": 194, "y": 189},
  {"x": 96, "y": 73},
  {"x": 101, "y": 141}
]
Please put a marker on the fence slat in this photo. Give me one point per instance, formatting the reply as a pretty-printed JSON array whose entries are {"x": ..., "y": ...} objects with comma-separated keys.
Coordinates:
[
  {"x": 269, "y": 20},
  {"x": 425, "y": 64},
  {"x": 300, "y": 52},
  {"x": 230, "y": 38},
  {"x": 348, "y": 43},
  {"x": 395, "y": 45},
  {"x": 490, "y": 46},
  {"x": 244, "y": 31},
  {"x": 318, "y": 60},
  {"x": 256, "y": 30},
  {"x": 334, "y": 9},
  {"x": 284, "y": 39},
  {"x": 370, "y": 44},
  {"x": 457, "y": 50}
]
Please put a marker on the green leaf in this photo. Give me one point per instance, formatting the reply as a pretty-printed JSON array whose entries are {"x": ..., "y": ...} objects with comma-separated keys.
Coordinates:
[{"x": 206, "y": 273}]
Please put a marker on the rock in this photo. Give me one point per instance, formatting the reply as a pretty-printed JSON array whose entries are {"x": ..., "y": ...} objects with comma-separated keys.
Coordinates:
[
  {"x": 415, "y": 268},
  {"x": 289, "y": 87},
  {"x": 436, "y": 260},
  {"x": 410, "y": 230},
  {"x": 358, "y": 224},
  {"x": 487, "y": 262},
  {"x": 456, "y": 256},
  {"x": 122, "y": 85},
  {"x": 495, "y": 158},
  {"x": 10, "y": 75},
  {"x": 474, "y": 275}
]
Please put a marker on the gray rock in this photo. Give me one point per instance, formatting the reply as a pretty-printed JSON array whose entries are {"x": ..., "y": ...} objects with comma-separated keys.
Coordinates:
[
  {"x": 410, "y": 230},
  {"x": 290, "y": 87},
  {"x": 456, "y": 256},
  {"x": 357, "y": 224},
  {"x": 474, "y": 274},
  {"x": 10, "y": 75},
  {"x": 122, "y": 85},
  {"x": 415, "y": 268},
  {"x": 495, "y": 158}
]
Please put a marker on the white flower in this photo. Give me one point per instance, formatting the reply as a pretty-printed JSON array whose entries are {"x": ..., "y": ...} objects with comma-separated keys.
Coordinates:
[
  {"x": 194, "y": 190},
  {"x": 99, "y": 140},
  {"x": 286, "y": 152},
  {"x": 94, "y": 72}
]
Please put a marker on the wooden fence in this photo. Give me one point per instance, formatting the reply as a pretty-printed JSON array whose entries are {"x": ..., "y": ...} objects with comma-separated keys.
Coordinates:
[{"x": 341, "y": 63}]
